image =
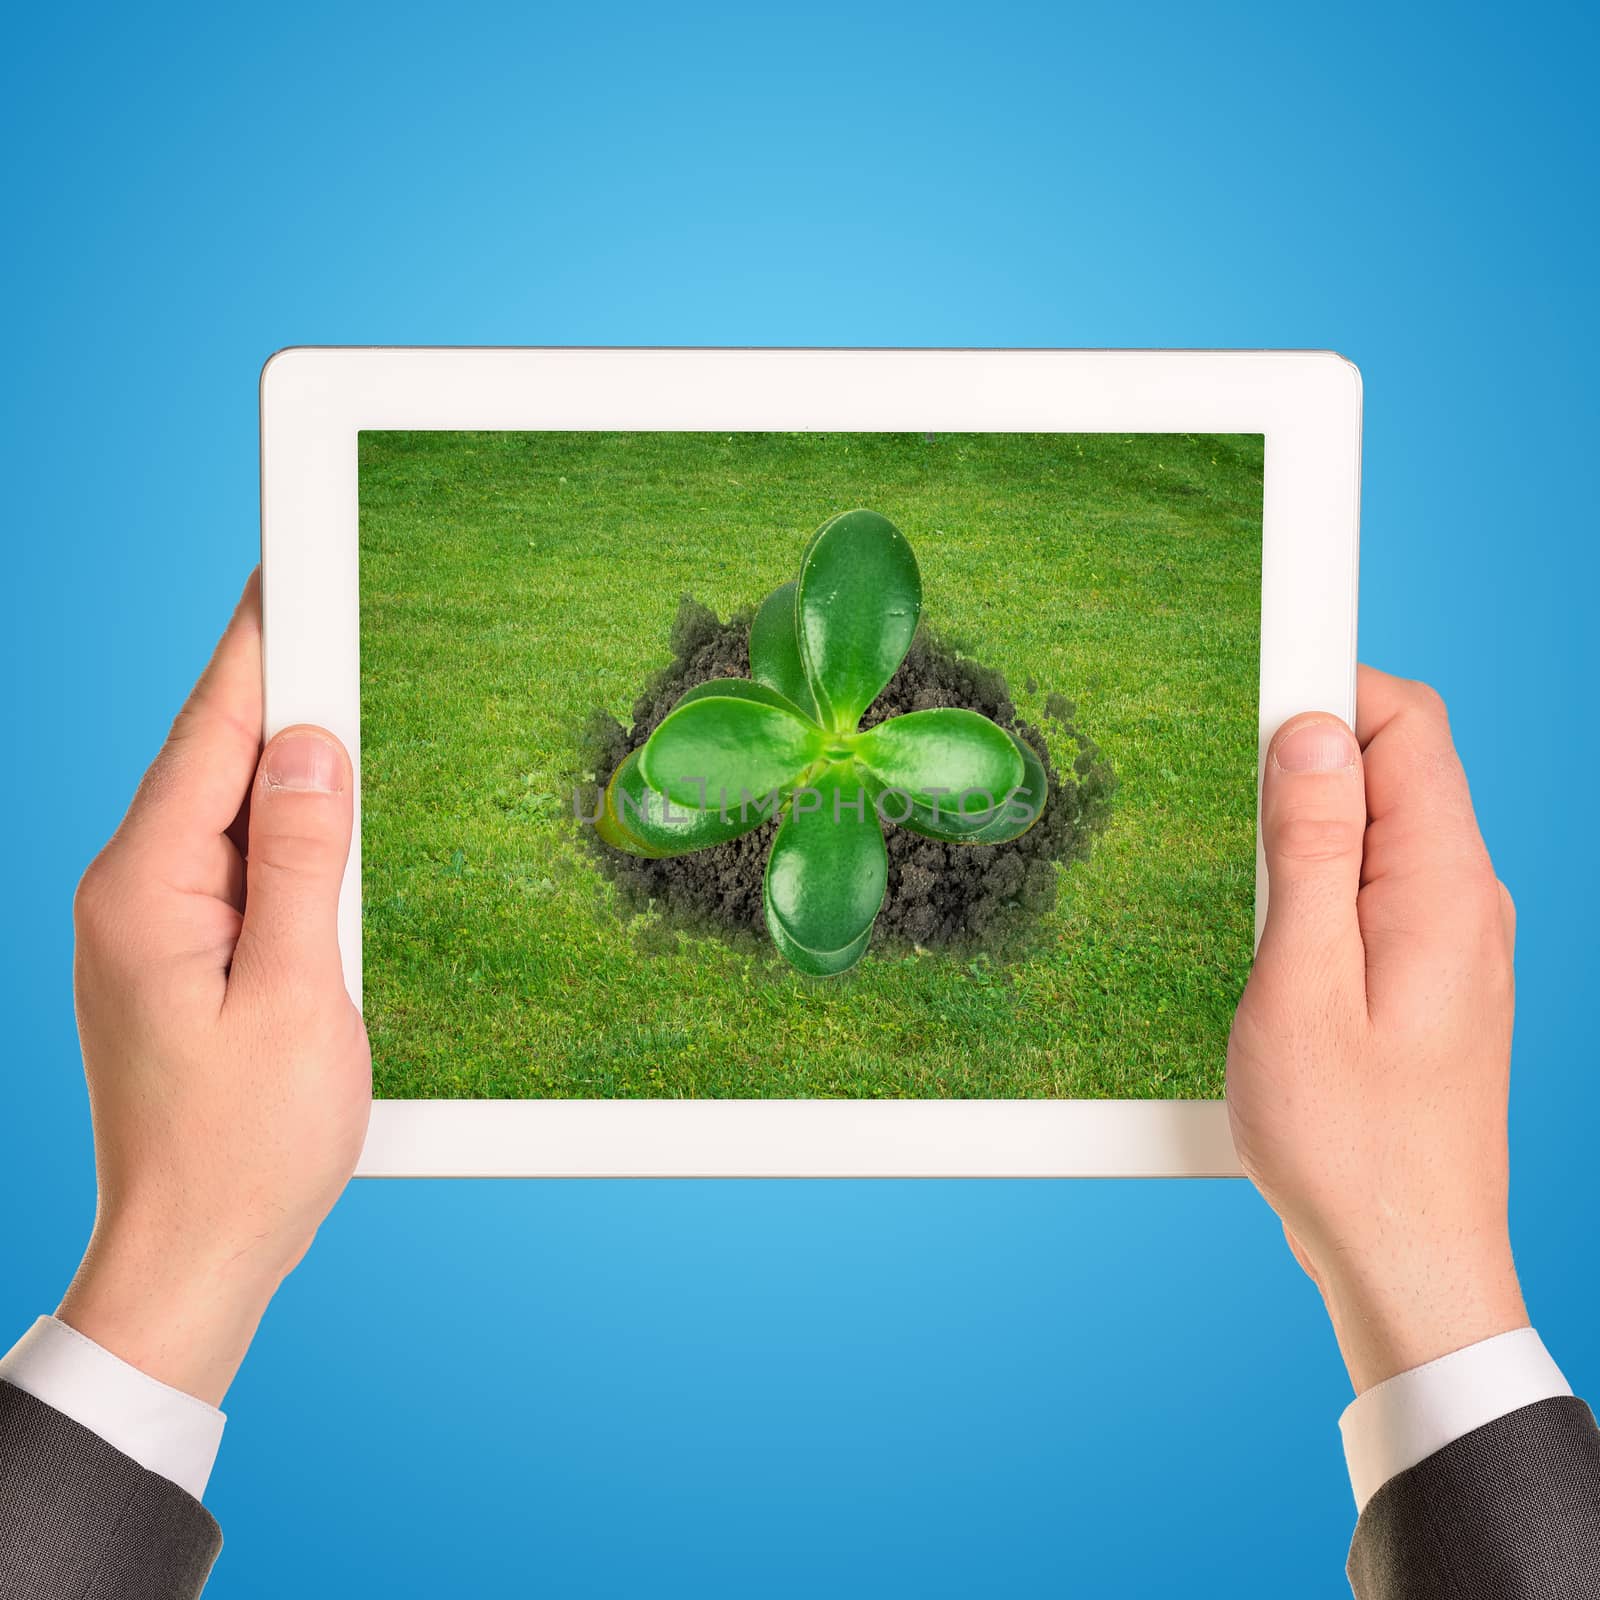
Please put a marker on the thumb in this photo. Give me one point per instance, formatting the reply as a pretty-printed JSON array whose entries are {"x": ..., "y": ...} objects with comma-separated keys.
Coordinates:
[
  {"x": 300, "y": 818},
  {"x": 1313, "y": 824}
]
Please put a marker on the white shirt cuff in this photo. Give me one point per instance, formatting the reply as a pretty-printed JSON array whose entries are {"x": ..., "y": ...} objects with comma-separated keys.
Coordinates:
[
  {"x": 163, "y": 1429},
  {"x": 1406, "y": 1419}
]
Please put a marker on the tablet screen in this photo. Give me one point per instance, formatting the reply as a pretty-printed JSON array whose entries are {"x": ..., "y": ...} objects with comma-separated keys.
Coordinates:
[{"x": 807, "y": 764}]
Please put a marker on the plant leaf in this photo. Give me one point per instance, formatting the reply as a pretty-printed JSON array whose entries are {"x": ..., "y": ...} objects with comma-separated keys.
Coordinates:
[
  {"x": 1009, "y": 820},
  {"x": 955, "y": 765},
  {"x": 609, "y": 823},
  {"x": 643, "y": 822},
  {"x": 1026, "y": 803},
  {"x": 827, "y": 872},
  {"x": 726, "y": 746},
  {"x": 775, "y": 648},
  {"x": 814, "y": 963},
  {"x": 898, "y": 809},
  {"x": 741, "y": 689},
  {"x": 857, "y": 605}
]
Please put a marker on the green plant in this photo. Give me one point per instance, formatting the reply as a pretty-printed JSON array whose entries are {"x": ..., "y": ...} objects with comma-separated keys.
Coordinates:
[{"x": 733, "y": 753}]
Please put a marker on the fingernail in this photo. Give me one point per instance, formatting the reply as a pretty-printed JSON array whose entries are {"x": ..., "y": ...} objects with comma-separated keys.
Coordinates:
[
  {"x": 303, "y": 761},
  {"x": 1316, "y": 747}
]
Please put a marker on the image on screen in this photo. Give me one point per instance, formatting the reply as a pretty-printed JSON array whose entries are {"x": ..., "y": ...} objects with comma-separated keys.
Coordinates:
[{"x": 815, "y": 765}]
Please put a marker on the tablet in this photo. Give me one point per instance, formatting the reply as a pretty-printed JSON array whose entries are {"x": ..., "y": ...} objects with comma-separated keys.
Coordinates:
[{"x": 805, "y": 762}]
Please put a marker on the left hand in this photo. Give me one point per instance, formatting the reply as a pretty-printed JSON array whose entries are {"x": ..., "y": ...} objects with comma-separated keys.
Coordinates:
[{"x": 228, "y": 1069}]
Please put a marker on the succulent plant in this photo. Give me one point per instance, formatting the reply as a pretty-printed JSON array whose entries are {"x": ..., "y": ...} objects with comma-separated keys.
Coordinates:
[{"x": 734, "y": 753}]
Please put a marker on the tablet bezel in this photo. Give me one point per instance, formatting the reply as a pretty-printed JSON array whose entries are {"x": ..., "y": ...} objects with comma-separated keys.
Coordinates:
[{"x": 314, "y": 403}]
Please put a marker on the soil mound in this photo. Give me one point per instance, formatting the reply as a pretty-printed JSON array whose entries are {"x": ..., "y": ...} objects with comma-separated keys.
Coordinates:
[{"x": 938, "y": 894}]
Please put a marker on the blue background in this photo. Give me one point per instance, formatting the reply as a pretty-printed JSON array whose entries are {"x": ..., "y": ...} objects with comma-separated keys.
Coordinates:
[{"x": 791, "y": 1389}]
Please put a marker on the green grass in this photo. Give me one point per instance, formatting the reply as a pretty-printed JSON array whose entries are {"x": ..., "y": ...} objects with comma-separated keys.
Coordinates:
[{"x": 512, "y": 582}]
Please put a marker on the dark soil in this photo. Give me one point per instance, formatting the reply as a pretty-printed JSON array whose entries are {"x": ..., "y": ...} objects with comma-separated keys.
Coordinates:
[{"x": 938, "y": 894}]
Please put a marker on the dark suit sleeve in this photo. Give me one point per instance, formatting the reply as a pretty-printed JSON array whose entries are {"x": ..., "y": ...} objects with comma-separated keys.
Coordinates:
[
  {"x": 1510, "y": 1511},
  {"x": 81, "y": 1521}
]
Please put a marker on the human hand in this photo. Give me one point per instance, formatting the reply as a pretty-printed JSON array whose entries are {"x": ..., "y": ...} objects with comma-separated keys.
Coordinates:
[
  {"x": 1369, "y": 1064},
  {"x": 228, "y": 1070}
]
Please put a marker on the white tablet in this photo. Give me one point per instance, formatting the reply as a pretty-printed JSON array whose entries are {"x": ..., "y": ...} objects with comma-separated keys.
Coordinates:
[{"x": 805, "y": 762}]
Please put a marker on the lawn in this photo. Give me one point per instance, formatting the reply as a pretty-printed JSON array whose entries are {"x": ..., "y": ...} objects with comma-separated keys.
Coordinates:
[{"x": 512, "y": 582}]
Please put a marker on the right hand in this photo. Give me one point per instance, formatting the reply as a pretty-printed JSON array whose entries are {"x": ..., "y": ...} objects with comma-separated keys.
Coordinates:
[{"x": 1369, "y": 1065}]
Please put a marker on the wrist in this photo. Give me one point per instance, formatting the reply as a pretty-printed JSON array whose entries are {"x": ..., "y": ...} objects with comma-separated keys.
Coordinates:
[
  {"x": 1389, "y": 1320},
  {"x": 184, "y": 1314}
]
